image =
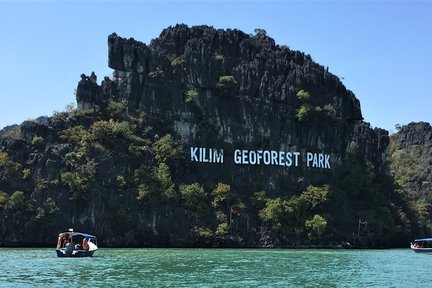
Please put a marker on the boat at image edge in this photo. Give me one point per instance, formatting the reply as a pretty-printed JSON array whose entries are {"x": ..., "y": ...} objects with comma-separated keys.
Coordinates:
[
  {"x": 422, "y": 246},
  {"x": 76, "y": 244}
]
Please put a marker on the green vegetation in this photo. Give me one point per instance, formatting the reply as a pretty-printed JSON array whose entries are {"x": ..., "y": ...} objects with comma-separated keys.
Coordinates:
[
  {"x": 70, "y": 108},
  {"x": 177, "y": 61},
  {"x": 223, "y": 197},
  {"x": 329, "y": 110},
  {"x": 144, "y": 181},
  {"x": 218, "y": 57},
  {"x": 303, "y": 96},
  {"x": 121, "y": 181},
  {"x": 165, "y": 186},
  {"x": 115, "y": 109},
  {"x": 195, "y": 198},
  {"x": 166, "y": 149},
  {"x": 315, "y": 227},
  {"x": 124, "y": 129},
  {"x": 277, "y": 212},
  {"x": 156, "y": 74},
  {"x": 303, "y": 113},
  {"x": 197, "y": 208},
  {"x": 26, "y": 173},
  {"x": 260, "y": 32},
  {"x": 306, "y": 112},
  {"x": 14, "y": 133},
  {"x": 202, "y": 232},
  {"x": 155, "y": 185},
  {"x": 407, "y": 165},
  {"x": 49, "y": 209},
  {"x": 292, "y": 218},
  {"x": 16, "y": 202},
  {"x": 226, "y": 203},
  {"x": 226, "y": 84},
  {"x": 41, "y": 183},
  {"x": 4, "y": 198},
  {"x": 76, "y": 135},
  {"x": 81, "y": 177},
  {"x": 8, "y": 168},
  {"x": 374, "y": 199},
  {"x": 222, "y": 229},
  {"x": 191, "y": 95},
  {"x": 81, "y": 166},
  {"x": 102, "y": 131},
  {"x": 38, "y": 142}
]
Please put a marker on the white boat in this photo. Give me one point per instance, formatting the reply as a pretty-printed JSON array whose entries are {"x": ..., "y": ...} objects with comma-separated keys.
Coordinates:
[
  {"x": 422, "y": 246},
  {"x": 76, "y": 244}
]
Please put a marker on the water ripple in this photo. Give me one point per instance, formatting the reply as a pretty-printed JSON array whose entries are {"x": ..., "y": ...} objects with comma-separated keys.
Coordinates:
[{"x": 215, "y": 268}]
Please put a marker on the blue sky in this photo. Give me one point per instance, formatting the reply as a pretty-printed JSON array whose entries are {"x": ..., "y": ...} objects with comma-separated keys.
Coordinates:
[{"x": 383, "y": 50}]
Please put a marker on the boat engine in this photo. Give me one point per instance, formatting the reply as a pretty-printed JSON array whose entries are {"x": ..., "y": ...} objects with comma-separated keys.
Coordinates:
[{"x": 69, "y": 247}]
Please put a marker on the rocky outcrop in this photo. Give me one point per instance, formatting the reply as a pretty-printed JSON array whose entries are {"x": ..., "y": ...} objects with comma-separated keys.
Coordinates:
[
  {"x": 267, "y": 77},
  {"x": 196, "y": 57},
  {"x": 372, "y": 142},
  {"x": 411, "y": 159},
  {"x": 419, "y": 133},
  {"x": 90, "y": 95},
  {"x": 215, "y": 89},
  {"x": 261, "y": 104}
]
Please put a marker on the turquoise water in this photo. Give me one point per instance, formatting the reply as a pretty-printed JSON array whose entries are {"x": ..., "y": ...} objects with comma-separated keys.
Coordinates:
[{"x": 216, "y": 268}]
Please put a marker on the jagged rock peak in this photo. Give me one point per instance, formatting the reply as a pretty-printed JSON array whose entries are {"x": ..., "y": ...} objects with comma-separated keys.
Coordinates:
[
  {"x": 198, "y": 56},
  {"x": 415, "y": 133},
  {"x": 174, "y": 39}
]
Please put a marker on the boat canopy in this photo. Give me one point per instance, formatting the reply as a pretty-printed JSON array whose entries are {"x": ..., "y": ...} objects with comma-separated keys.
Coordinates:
[
  {"x": 73, "y": 234},
  {"x": 424, "y": 239}
]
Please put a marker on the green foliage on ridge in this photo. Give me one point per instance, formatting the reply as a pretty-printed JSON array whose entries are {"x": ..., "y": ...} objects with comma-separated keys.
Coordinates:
[{"x": 120, "y": 160}]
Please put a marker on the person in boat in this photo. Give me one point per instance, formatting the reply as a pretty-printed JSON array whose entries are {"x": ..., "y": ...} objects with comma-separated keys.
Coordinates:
[
  {"x": 62, "y": 239},
  {"x": 85, "y": 245},
  {"x": 59, "y": 242},
  {"x": 70, "y": 245},
  {"x": 418, "y": 245}
]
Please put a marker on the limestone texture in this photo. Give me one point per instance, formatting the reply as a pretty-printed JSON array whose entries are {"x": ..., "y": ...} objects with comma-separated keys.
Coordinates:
[{"x": 116, "y": 167}]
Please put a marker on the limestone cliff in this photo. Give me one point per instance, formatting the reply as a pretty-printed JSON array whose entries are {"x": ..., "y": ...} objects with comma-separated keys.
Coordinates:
[
  {"x": 260, "y": 106},
  {"x": 121, "y": 166},
  {"x": 260, "y": 103},
  {"x": 410, "y": 156}
]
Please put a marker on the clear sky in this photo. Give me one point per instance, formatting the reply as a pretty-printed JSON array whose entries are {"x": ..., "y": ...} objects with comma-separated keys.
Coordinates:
[{"x": 383, "y": 50}]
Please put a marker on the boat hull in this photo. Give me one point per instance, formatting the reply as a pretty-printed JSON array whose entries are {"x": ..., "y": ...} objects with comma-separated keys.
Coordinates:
[
  {"x": 74, "y": 253},
  {"x": 422, "y": 250}
]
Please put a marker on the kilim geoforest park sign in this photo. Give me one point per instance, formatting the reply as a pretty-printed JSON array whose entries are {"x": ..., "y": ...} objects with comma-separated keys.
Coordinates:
[{"x": 261, "y": 157}]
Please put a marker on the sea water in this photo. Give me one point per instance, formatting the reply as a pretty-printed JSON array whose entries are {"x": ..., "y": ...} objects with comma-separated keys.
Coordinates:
[{"x": 25, "y": 267}]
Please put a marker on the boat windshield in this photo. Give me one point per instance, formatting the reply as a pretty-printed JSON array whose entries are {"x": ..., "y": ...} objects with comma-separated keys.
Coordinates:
[
  {"x": 423, "y": 243},
  {"x": 79, "y": 240}
]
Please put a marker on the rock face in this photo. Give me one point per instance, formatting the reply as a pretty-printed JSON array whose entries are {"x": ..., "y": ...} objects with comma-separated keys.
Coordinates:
[
  {"x": 262, "y": 101},
  {"x": 258, "y": 110},
  {"x": 99, "y": 167},
  {"x": 89, "y": 95},
  {"x": 411, "y": 156},
  {"x": 415, "y": 134}
]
